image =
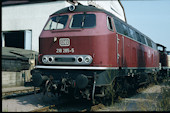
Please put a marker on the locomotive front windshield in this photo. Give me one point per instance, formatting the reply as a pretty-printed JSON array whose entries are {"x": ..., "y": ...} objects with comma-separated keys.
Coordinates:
[
  {"x": 77, "y": 21},
  {"x": 83, "y": 21},
  {"x": 57, "y": 22}
]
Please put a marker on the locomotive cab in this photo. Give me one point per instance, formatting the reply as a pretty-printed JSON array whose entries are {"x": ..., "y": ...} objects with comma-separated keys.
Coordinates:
[
  {"x": 78, "y": 38},
  {"x": 163, "y": 61},
  {"x": 168, "y": 58},
  {"x": 163, "y": 55}
]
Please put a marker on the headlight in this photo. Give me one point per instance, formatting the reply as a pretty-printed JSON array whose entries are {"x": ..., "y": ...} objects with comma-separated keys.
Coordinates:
[
  {"x": 44, "y": 59},
  {"x": 50, "y": 59},
  {"x": 80, "y": 59},
  {"x": 87, "y": 59},
  {"x": 71, "y": 8}
]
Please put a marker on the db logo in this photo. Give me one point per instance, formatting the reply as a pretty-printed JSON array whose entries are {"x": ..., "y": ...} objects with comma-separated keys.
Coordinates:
[{"x": 64, "y": 42}]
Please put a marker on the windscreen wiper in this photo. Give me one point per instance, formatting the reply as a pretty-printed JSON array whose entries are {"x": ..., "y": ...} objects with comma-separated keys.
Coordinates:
[{"x": 82, "y": 23}]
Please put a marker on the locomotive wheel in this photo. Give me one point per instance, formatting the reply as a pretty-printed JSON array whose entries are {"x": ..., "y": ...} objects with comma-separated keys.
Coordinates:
[
  {"x": 119, "y": 87},
  {"x": 150, "y": 78},
  {"x": 46, "y": 88},
  {"x": 155, "y": 76},
  {"x": 109, "y": 94}
]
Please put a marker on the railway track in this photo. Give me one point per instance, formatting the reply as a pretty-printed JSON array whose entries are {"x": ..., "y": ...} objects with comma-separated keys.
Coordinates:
[
  {"x": 53, "y": 108},
  {"x": 45, "y": 109},
  {"x": 66, "y": 103},
  {"x": 17, "y": 93}
]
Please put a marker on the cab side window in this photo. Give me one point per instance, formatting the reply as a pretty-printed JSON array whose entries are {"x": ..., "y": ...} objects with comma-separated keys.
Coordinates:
[
  {"x": 132, "y": 34},
  {"x": 118, "y": 26},
  {"x": 154, "y": 45},
  {"x": 109, "y": 24},
  {"x": 138, "y": 37},
  {"x": 149, "y": 42},
  {"x": 142, "y": 39},
  {"x": 125, "y": 30}
]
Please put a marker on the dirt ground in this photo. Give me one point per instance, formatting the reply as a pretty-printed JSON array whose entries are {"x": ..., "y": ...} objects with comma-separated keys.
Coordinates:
[
  {"x": 153, "y": 98},
  {"x": 32, "y": 102}
]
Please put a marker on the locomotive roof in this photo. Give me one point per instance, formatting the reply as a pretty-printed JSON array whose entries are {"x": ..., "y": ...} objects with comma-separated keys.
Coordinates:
[
  {"x": 82, "y": 8},
  {"x": 90, "y": 8}
]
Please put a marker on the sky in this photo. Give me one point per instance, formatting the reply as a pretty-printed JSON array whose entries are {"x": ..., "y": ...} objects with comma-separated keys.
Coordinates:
[{"x": 151, "y": 17}]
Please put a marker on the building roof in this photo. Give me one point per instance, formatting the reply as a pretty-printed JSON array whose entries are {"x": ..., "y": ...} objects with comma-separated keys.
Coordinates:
[
  {"x": 16, "y": 59},
  {"x": 21, "y": 2},
  {"x": 17, "y": 53}
]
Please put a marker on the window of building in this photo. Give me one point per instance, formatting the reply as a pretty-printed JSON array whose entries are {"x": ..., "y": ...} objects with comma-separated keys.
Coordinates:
[
  {"x": 83, "y": 21},
  {"x": 17, "y": 39}
]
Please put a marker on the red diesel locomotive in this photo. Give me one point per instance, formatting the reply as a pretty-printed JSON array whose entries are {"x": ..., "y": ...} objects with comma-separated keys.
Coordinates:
[{"x": 86, "y": 52}]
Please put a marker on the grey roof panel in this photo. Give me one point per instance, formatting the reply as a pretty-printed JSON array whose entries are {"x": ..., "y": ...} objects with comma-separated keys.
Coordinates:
[
  {"x": 16, "y": 53},
  {"x": 82, "y": 8}
]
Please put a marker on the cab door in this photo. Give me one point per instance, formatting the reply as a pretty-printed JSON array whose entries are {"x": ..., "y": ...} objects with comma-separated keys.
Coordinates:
[
  {"x": 120, "y": 42},
  {"x": 120, "y": 49}
]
